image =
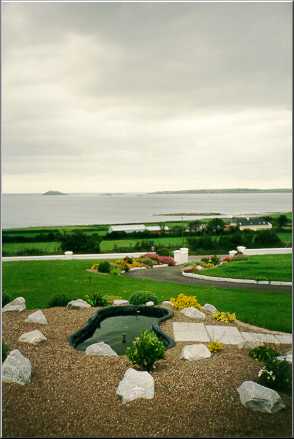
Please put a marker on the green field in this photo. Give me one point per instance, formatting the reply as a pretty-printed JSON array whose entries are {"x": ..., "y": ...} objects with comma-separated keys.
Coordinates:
[
  {"x": 46, "y": 247},
  {"x": 166, "y": 241},
  {"x": 38, "y": 281},
  {"x": 269, "y": 267}
]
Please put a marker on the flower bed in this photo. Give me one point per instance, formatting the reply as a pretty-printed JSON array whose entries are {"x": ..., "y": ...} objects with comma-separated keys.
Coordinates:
[{"x": 118, "y": 266}]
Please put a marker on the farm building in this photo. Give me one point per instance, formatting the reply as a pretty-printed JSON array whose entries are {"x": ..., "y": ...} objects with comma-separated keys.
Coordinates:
[
  {"x": 131, "y": 228},
  {"x": 250, "y": 224}
]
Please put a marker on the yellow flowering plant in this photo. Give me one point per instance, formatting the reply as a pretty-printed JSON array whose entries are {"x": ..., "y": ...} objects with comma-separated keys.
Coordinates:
[
  {"x": 181, "y": 301},
  {"x": 225, "y": 317},
  {"x": 215, "y": 346}
]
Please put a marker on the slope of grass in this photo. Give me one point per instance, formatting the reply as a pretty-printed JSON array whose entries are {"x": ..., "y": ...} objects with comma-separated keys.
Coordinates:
[
  {"x": 38, "y": 281},
  {"x": 268, "y": 267}
]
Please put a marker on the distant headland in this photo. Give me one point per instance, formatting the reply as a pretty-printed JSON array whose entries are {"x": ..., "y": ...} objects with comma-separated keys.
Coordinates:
[
  {"x": 53, "y": 193},
  {"x": 216, "y": 191}
]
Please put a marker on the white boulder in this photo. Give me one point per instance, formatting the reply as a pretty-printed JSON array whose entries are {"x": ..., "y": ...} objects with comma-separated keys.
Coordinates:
[
  {"x": 150, "y": 303},
  {"x": 209, "y": 308},
  {"x": 32, "y": 337},
  {"x": 136, "y": 384},
  {"x": 241, "y": 249},
  {"x": 193, "y": 313},
  {"x": 101, "y": 350},
  {"x": 199, "y": 267},
  {"x": 78, "y": 304},
  {"x": 18, "y": 304},
  {"x": 37, "y": 317},
  {"x": 259, "y": 398},
  {"x": 195, "y": 352},
  {"x": 233, "y": 253},
  {"x": 16, "y": 368},
  {"x": 120, "y": 302},
  {"x": 166, "y": 303}
]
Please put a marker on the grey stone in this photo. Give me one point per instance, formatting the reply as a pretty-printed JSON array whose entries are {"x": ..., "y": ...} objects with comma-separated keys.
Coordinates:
[
  {"x": 78, "y": 304},
  {"x": 166, "y": 303},
  {"x": 120, "y": 302},
  {"x": 190, "y": 332},
  {"x": 18, "y": 304},
  {"x": 195, "y": 352},
  {"x": 257, "y": 338},
  {"x": 225, "y": 334},
  {"x": 101, "y": 350},
  {"x": 136, "y": 384},
  {"x": 37, "y": 317},
  {"x": 209, "y": 308},
  {"x": 32, "y": 337},
  {"x": 193, "y": 313},
  {"x": 16, "y": 368},
  {"x": 284, "y": 338},
  {"x": 259, "y": 398}
]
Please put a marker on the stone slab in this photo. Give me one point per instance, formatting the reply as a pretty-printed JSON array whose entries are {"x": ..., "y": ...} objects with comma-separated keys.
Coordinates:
[
  {"x": 254, "y": 337},
  {"x": 190, "y": 332},
  {"x": 224, "y": 334},
  {"x": 284, "y": 338}
]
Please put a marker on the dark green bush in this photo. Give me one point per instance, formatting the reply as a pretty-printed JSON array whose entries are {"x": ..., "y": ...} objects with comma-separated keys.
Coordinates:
[
  {"x": 6, "y": 298},
  {"x": 146, "y": 350},
  {"x": 163, "y": 251},
  {"x": 96, "y": 299},
  {"x": 80, "y": 242},
  {"x": 104, "y": 267},
  {"x": 263, "y": 353},
  {"x": 215, "y": 259},
  {"x": 58, "y": 300},
  {"x": 141, "y": 297},
  {"x": 276, "y": 374},
  {"x": 148, "y": 261},
  {"x": 5, "y": 351}
]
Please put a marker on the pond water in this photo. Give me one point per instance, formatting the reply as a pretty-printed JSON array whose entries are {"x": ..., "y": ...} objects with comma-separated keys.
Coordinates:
[{"x": 119, "y": 331}]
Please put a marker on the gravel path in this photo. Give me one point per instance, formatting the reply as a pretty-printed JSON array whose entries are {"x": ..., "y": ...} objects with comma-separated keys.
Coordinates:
[
  {"x": 74, "y": 395},
  {"x": 173, "y": 274}
]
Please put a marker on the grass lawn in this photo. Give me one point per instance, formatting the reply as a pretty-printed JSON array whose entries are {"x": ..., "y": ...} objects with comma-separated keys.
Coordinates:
[
  {"x": 286, "y": 236},
  {"x": 14, "y": 247},
  {"x": 269, "y": 267},
  {"x": 166, "y": 241},
  {"x": 38, "y": 281}
]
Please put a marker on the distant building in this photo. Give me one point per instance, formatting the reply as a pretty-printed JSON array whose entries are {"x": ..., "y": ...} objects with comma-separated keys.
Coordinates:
[
  {"x": 254, "y": 224},
  {"x": 132, "y": 228}
]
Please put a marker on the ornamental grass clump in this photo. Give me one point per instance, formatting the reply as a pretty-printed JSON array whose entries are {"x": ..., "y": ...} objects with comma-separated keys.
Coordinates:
[
  {"x": 146, "y": 350},
  {"x": 215, "y": 346},
  {"x": 141, "y": 297},
  {"x": 182, "y": 301},
  {"x": 96, "y": 299},
  {"x": 58, "y": 300},
  {"x": 225, "y": 317}
]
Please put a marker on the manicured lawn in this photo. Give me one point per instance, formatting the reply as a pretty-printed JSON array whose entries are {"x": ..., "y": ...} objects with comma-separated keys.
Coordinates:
[
  {"x": 38, "y": 281},
  {"x": 48, "y": 247},
  {"x": 269, "y": 267}
]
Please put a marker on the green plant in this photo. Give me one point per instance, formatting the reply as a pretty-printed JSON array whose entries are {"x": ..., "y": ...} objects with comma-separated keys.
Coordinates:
[
  {"x": 146, "y": 350},
  {"x": 96, "y": 299},
  {"x": 104, "y": 267},
  {"x": 5, "y": 350},
  {"x": 182, "y": 301},
  {"x": 58, "y": 300},
  {"x": 163, "y": 251},
  {"x": 263, "y": 353},
  {"x": 147, "y": 261},
  {"x": 276, "y": 374},
  {"x": 215, "y": 346},
  {"x": 215, "y": 260},
  {"x": 226, "y": 317},
  {"x": 5, "y": 298},
  {"x": 141, "y": 297}
]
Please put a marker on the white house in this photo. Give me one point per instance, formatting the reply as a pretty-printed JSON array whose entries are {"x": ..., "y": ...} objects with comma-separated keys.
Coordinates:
[
  {"x": 254, "y": 224},
  {"x": 131, "y": 228}
]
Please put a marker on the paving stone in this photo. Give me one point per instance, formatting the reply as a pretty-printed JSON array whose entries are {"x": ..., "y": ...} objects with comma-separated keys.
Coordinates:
[
  {"x": 190, "y": 332},
  {"x": 284, "y": 339},
  {"x": 254, "y": 337},
  {"x": 224, "y": 334}
]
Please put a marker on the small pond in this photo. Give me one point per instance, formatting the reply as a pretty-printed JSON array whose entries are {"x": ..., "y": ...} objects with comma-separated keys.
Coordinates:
[{"x": 118, "y": 326}]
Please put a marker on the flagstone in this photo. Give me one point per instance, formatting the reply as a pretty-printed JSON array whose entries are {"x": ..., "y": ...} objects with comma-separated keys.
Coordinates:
[
  {"x": 190, "y": 332},
  {"x": 224, "y": 334}
]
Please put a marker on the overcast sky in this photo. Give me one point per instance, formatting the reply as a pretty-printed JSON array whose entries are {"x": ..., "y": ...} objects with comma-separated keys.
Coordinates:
[{"x": 140, "y": 97}]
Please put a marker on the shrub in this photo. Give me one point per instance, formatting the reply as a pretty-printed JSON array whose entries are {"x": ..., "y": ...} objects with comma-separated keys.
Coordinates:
[
  {"x": 205, "y": 260},
  {"x": 227, "y": 259},
  {"x": 147, "y": 261},
  {"x": 267, "y": 238},
  {"x": 166, "y": 260},
  {"x": 215, "y": 346},
  {"x": 153, "y": 256},
  {"x": 182, "y": 301},
  {"x": 6, "y": 298},
  {"x": 141, "y": 297},
  {"x": 146, "y": 350},
  {"x": 80, "y": 242},
  {"x": 5, "y": 350},
  {"x": 163, "y": 251},
  {"x": 96, "y": 299},
  {"x": 58, "y": 300},
  {"x": 276, "y": 374},
  {"x": 215, "y": 260},
  {"x": 225, "y": 317},
  {"x": 263, "y": 353},
  {"x": 128, "y": 260},
  {"x": 104, "y": 267}
]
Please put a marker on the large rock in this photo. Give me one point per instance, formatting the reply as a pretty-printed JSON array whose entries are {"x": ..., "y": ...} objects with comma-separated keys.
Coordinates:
[
  {"x": 16, "y": 368},
  {"x": 37, "y": 317},
  {"x": 18, "y": 304},
  {"x": 32, "y": 337},
  {"x": 195, "y": 352},
  {"x": 209, "y": 308},
  {"x": 259, "y": 398},
  {"x": 120, "y": 302},
  {"x": 136, "y": 384},
  {"x": 78, "y": 304},
  {"x": 193, "y": 313},
  {"x": 150, "y": 303},
  {"x": 166, "y": 303},
  {"x": 101, "y": 350}
]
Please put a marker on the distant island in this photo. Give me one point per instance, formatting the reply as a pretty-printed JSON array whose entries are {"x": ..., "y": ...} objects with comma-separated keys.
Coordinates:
[
  {"x": 216, "y": 191},
  {"x": 53, "y": 193},
  {"x": 188, "y": 214}
]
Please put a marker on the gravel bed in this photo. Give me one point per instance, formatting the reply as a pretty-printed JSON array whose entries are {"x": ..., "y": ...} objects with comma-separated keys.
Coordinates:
[{"x": 74, "y": 395}]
